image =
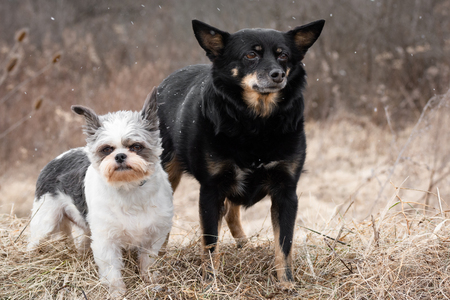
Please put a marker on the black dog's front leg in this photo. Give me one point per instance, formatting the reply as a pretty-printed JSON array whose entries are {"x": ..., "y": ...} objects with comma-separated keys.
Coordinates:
[
  {"x": 211, "y": 212},
  {"x": 283, "y": 214}
]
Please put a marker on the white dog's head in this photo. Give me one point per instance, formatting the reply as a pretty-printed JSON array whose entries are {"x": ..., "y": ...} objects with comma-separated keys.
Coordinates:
[{"x": 123, "y": 146}]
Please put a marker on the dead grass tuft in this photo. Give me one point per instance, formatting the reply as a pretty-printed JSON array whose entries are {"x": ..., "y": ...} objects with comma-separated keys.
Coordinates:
[{"x": 403, "y": 253}]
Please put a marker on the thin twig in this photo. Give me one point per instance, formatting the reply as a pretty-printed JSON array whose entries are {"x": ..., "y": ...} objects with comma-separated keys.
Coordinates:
[
  {"x": 398, "y": 273},
  {"x": 351, "y": 203},
  {"x": 400, "y": 154},
  {"x": 311, "y": 266},
  {"x": 17, "y": 124},
  {"x": 376, "y": 234},
  {"x": 440, "y": 203},
  {"x": 338, "y": 236},
  {"x": 17, "y": 87},
  {"x": 26, "y": 225},
  {"x": 72, "y": 286},
  {"x": 319, "y": 233},
  {"x": 408, "y": 227},
  {"x": 337, "y": 255}
]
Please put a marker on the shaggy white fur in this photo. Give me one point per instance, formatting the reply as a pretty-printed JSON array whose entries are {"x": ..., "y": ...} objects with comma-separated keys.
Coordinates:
[{"x": 114, "y": 190}]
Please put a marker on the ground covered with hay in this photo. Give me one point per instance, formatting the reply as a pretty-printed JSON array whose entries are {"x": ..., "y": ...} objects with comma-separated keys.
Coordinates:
[
  {"x": 377, "y": 145},
  {"x": 373, "y": 223},
  {"x": 402, "y": 253}
]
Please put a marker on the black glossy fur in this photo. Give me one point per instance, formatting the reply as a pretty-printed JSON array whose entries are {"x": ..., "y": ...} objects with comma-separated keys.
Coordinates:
[{"x": 237, "y": 127}]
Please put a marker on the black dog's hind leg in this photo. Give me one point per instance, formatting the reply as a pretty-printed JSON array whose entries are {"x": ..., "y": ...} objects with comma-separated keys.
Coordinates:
[
  {"x": 233, "y": 218},
  {"x": 283, "y": 214},
  {"x": 173, "y": 168},
  {"x": 211, "y": 209}
]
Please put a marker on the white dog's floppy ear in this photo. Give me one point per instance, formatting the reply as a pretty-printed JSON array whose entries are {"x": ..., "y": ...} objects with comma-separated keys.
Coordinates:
[
  {"x": 211, "y": 39},
  {"x": 92, "y": 120},
  {"x": 150, "y": 111}
]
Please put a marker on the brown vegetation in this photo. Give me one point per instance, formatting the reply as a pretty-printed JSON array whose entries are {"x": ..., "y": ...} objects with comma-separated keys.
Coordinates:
[
  {"x": 401, "y": 254},
  {"x": 376, "y": 144},
  {"x": 371, "y": 55}
]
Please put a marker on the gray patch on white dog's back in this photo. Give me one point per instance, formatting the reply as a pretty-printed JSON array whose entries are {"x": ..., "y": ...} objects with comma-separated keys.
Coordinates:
[{"x": 65, "y": 174}]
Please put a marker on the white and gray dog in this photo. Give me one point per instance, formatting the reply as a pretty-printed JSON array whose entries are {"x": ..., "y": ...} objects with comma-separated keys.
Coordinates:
[{"x": 114, "y": 189}]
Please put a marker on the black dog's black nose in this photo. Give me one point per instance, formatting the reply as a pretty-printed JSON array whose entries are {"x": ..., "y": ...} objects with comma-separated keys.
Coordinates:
[
  {"x": 277, "y": 75},
  {"x": 120, "y": 157}
]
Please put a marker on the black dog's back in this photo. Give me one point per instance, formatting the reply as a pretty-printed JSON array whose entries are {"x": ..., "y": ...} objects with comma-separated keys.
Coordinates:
[
  {"x": 179, "y": 109},
  {"x": 177, "y": 95},
  {"x": 237, "y": 127}
]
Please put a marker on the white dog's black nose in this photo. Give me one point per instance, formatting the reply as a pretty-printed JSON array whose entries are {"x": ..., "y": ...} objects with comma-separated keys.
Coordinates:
[
  {"x": 277, "y": 75},
  {"x": 120, "y": 157}
]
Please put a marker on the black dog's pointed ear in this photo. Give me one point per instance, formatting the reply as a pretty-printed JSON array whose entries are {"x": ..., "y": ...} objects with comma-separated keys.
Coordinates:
[
  {"x": 211, "y": 39},
  {"x": 150, "y": 111},
  {"x": 92, "y": 120},
  {"x": 304, "y": 36}
]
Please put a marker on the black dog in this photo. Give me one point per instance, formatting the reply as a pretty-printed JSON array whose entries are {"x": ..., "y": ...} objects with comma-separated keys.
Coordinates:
[{"x": 237, "y": 127}]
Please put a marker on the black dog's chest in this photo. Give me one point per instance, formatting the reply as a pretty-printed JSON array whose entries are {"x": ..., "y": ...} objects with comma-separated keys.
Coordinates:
[
  {"x": 246, "y": 186},
  {"x": 248, "y": 167}
]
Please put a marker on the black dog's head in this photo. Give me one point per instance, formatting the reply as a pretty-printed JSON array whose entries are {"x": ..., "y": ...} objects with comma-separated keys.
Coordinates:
[{"x": 256, "y": 64}]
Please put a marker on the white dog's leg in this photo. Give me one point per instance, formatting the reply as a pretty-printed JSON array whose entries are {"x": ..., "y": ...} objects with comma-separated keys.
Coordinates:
[
  {"x": 46, "y": 217},
  {"x": 82, "y": 239},
  {"x": 65, "y": 227},
  {"x": 108, "y": 257},
  {"x": 81, "y": 232},
  {"x": 146, "y": 260},
  {"x": 147, "y": 257}
]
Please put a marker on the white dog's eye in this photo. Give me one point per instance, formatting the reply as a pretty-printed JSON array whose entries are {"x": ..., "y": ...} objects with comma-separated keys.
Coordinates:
[
  {"x": 136, "y": 147},
  {"x": 107, "y": 150}
]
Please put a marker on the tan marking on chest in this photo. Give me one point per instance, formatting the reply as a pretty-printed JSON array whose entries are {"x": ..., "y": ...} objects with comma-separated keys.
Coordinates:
[{"x": 261, "y": 104}]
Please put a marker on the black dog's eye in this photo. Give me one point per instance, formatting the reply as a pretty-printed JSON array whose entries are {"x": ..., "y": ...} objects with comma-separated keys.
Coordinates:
[
  {"x": 136, "y": 147},
  {"x": 283, "y": 56},
  {"x": 251, "y": 55},
  {"x": 107, "y": 150}
]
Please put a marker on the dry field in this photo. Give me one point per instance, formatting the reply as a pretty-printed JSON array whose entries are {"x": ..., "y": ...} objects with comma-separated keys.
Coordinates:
[
  {"x": 367, "y": 228},
  {"x": 374, "y": 216}
]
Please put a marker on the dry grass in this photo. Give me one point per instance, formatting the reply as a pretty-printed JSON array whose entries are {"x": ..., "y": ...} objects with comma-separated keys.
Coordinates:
[
  {"x": 401, "y": 254},
  {"x": 401, "y": 251}
]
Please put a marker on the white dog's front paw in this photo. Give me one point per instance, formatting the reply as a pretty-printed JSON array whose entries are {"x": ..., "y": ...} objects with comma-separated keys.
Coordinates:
[
  {"x": 32, "y": 247},
  {"x": 150, "y": 277},
  {"x": 118, "y": 290}
]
